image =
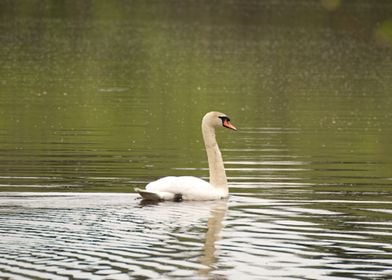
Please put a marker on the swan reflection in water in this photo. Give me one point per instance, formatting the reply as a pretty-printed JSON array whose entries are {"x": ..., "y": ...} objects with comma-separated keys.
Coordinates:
[
  {"x": 186, "y": 220},
  {"x": 214, "y": 227}
]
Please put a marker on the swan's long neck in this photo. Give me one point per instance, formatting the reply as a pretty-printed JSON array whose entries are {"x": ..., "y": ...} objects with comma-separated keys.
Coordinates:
[{"x": 215, "y": 162}]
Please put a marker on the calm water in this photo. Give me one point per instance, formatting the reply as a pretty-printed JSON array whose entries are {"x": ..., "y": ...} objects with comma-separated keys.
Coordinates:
[{"x": 99, "y": 98}]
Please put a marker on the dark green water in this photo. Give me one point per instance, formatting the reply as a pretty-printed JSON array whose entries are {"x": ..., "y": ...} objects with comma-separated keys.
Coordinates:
[{"x": 106, "y": 96}]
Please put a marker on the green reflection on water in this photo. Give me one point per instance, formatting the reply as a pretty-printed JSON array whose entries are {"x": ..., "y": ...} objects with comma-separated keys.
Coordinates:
[{"x": 92, "y": 91}]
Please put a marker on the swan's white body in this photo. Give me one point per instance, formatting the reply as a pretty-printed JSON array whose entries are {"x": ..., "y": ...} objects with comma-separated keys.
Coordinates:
[
  {"x": 188, "y": 187},
  {"x": 193, "y": 188}
]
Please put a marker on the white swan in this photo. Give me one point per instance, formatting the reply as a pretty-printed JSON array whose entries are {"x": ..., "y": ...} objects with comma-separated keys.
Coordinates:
[{"x": 192, "y": 188}]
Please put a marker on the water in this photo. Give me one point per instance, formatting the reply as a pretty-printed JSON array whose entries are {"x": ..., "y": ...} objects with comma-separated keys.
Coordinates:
[
  {"x": 95, "y": 236},
  {"x": 96, "y": 99}
]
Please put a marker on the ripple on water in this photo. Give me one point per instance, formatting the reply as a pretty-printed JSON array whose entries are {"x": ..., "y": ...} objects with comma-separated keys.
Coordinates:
[{"x": 96, "y": 236}]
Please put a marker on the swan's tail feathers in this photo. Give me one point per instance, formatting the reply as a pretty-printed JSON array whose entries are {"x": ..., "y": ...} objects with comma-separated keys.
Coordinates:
[{"x": 149, "y": 196}]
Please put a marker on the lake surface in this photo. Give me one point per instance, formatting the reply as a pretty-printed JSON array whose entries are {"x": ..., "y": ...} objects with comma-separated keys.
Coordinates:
[
  {"x": 99, "y": 98},
  {"x": 113, "y": 236}
]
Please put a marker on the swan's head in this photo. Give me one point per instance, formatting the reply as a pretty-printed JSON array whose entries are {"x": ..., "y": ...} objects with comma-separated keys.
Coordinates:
[{"x": 217, "y": 119}]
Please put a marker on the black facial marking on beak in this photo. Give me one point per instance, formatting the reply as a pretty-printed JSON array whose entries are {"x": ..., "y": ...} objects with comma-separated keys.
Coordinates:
[{"x": 226, "y": 122}]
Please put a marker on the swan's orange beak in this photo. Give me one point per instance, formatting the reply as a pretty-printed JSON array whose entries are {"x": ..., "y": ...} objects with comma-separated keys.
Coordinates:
[{"x": 227, "y": 123}]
